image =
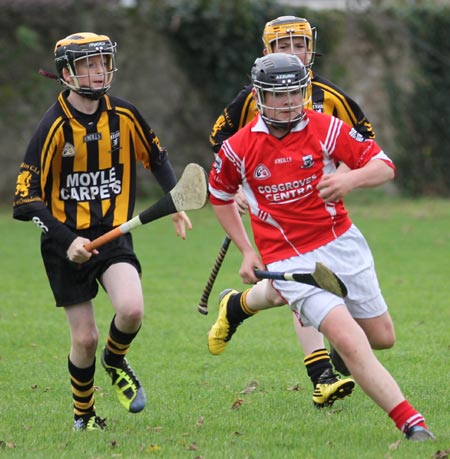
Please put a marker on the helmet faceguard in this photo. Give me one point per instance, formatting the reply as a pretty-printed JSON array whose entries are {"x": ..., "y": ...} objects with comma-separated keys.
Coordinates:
[
  {"x": 284, "y": 76},
  {"x": 290, "y": 27},
  {"x": 85, "y": 45}
]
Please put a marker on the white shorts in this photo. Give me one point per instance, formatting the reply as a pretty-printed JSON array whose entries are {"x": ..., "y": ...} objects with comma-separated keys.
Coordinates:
[{"x": 349, "y": 256}]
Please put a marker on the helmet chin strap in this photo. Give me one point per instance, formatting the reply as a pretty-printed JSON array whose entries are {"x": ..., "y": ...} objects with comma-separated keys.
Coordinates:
[{"x": 91, "y": 94}]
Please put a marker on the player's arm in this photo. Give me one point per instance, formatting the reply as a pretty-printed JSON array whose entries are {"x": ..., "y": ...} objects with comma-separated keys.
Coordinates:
[
  {"x": 362, "y": 124},
  {"x": 224, "y": 180},
  {"x": 154, "y": 157},
  {"x": 165, "y": 176},
  {"x": 333, "y": 187},
  {"x": 370, "y": 166},
  {"x": 228, "y": 216},
  {"x": 37, "y": 212},
  {"x": 28, "y": 204}
]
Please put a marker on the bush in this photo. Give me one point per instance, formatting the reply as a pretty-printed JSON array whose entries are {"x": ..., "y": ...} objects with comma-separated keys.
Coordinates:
[
  {"x": 424, "y": 137},
  {"x": 184, "y": 60}
]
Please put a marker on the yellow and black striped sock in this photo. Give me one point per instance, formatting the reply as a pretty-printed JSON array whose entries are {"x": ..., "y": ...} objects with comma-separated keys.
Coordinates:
[
  {"x": 316, "y": 363},
  {"x": 117, "y": 344},
  {"x": 237, "y": 308},
  {"x": 82, "y": 382}
]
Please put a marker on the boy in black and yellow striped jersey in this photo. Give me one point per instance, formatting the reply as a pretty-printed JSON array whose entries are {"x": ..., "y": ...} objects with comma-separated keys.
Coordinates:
[{"x": 77, "y": 182}]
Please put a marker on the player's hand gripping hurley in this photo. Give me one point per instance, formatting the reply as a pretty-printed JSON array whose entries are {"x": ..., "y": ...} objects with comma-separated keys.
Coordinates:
[
  {"x": 322, "y": 277},
  {"x": 190, "y": 193}
]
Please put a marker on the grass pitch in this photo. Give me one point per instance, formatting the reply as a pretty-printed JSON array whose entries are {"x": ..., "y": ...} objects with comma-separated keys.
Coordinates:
[{"x": 252, "y": 402}]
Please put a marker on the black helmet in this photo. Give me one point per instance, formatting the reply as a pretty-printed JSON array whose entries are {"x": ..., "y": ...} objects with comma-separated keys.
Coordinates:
[
  {"x": 279, "y": 73},
  {"x": 84, "y": 45}
]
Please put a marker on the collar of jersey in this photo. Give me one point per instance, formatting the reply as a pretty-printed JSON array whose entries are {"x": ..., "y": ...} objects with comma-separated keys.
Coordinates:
[{"x": 261, "y": 126}]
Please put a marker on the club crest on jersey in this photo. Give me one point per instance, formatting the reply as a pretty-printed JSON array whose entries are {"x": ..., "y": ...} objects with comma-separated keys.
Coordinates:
[
  {"x": 115, "y": 140},
  {"x": 68, "y": 150},
  {"x": 23, "y": 184},
  {"x": 261, "y": 172},
  {"x": 307, "y": 162}
]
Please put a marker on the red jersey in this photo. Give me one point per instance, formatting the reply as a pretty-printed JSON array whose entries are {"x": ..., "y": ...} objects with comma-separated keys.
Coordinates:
[{"x": 279, "y": 179}]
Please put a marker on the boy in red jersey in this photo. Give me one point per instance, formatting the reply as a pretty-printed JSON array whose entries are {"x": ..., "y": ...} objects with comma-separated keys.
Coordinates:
[
  {"x": 285, "y": 161},
  {"x": 295, "y": 35}
]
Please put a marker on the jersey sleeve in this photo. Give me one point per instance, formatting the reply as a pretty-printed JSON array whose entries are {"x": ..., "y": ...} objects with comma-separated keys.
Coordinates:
[
  {"x": 225, "y": 177},
  {"x": 351, "y": 113},
  {"x": 234, "y": 116},
  {"x": 146, "y": 143},
  {"x": 28, "y": 204},
  {"x": 344, "y": 143},
  {"x": 165, "y": 175},
  {"x": 28, "y": 184},
  {"x": 148, "y": 148}
]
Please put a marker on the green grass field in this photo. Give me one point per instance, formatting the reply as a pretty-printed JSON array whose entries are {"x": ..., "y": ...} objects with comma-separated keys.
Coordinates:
[{"x": 191, "y": 394}]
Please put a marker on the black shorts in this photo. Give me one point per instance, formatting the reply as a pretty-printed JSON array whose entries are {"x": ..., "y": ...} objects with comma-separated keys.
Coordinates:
[{"x": 74, "y": 283}]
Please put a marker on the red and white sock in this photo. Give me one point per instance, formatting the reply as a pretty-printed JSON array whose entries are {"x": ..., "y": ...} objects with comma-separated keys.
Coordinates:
[{"x": 405, "y": 416}]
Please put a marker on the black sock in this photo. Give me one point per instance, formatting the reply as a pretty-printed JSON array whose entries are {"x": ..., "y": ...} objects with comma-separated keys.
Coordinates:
[
  {"x": 82, "y": 383},
  {"x": 237, "y": 309},
  {"x": 117, "y": 344},
  {"x": 316, "y": 363}
]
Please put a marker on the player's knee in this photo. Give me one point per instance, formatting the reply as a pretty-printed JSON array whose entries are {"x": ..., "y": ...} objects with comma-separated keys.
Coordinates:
[
  {"x": 380, "y": 332},
  {"x": 132, "y": 314},
  {"x": 389, "y": 341},
  {"x": 277, "y": 302},
  {"x": 274, "y": 299},
  {"x": 383, "y": 340},
  {"x": 86, "y": 343}
]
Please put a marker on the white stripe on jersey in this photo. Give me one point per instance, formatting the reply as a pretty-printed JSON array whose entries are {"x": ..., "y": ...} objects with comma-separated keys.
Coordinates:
[
  {"x": 220, "y": 194},
  {"x": 231, "y": 155},
  {"x": 382, "y": 155},
  {"x": 333, "y": 133}
]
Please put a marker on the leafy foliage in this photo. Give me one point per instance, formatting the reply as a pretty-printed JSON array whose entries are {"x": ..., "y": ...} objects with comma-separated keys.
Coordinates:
[
  {"x": 215, "y": 42},
  {"x": 424, "y": 162},
  {"x": 199, "y": 53}
]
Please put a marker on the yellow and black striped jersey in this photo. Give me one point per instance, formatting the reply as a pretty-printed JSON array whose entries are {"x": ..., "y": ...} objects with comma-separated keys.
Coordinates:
[
  {"x": 80, "y": 170},
  {"x": 326, "y": 97}
]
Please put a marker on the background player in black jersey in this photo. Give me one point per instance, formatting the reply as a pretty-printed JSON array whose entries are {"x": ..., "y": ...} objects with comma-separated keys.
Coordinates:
[
  {"x": 294, "y": 35},
  {"x": 77, "y": 182}
]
